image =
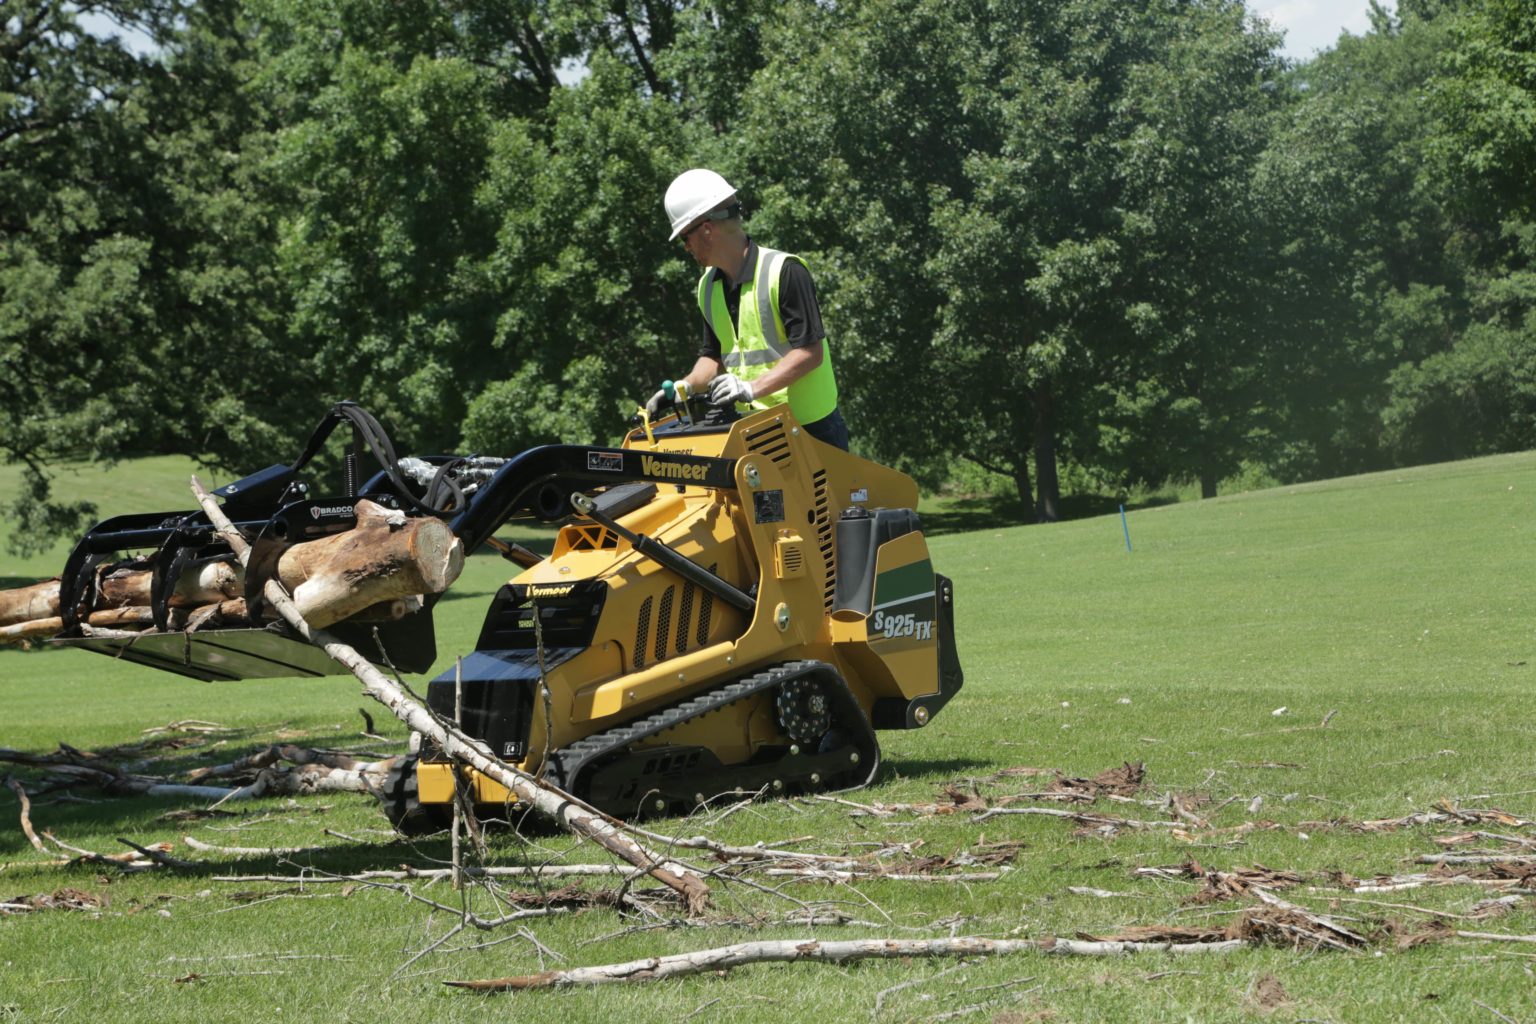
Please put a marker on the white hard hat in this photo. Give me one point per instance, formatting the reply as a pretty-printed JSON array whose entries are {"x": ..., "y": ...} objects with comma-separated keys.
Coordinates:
[{"x": 694, "y": 193}]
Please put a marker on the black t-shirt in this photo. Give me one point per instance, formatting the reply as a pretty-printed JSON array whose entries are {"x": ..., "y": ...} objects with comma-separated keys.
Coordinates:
[{"x": 797, "y": 305}]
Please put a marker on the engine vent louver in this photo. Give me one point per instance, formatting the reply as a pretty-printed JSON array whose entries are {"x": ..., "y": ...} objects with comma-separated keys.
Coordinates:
[
  {"x": 825, "y": 536},
  {"x": 669, "y": 639},
  {"x": 641, "y": 629},
  {"x": 705, "y": 606},
  {"x": 770, "y": 440},
  {"x": 684, "y": 617},
  {"x": 663, "y": 623}
]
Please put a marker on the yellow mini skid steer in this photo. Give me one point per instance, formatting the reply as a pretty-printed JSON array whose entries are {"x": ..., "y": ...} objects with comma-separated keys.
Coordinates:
[{"x": 729, "y": 605}]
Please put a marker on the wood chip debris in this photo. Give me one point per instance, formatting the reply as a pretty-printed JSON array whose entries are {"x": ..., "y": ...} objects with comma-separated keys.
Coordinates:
[
  {"x": 1218, "y": 886},
  {"x": 1445, "y": 813},
  {"x": 59, "y": 899}
]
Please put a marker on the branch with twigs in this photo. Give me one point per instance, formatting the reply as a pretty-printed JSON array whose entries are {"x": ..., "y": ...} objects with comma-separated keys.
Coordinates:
[{"x": 559, "y": 807}]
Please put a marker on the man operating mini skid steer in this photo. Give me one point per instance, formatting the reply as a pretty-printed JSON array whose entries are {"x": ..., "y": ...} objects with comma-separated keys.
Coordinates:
[{"x": 764, "y": 343}]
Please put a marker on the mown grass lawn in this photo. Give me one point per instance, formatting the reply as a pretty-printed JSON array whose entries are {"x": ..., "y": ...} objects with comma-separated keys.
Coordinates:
[{"x": 1398, "y": 606}]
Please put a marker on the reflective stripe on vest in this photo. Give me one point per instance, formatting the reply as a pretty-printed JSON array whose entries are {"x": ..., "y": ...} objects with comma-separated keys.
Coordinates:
[{"x": 755, "y": 342}]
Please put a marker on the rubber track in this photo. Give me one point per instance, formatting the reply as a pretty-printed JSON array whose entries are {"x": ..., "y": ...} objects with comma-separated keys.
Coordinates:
[{"x": 567, "y": 763}]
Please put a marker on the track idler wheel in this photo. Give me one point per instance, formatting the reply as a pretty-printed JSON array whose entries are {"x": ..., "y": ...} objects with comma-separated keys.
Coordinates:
[{"x": 803, "y": 710}]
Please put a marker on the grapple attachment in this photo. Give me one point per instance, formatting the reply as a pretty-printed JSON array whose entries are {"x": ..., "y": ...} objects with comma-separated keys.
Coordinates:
[{"x": 201, "y": 615}]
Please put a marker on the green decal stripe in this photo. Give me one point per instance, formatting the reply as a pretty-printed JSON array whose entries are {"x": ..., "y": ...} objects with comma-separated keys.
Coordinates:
[{"x": 903, "y": 582}]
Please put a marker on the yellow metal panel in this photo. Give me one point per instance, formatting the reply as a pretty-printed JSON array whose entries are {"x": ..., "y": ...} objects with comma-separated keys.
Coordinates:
[
  {"x": 434, "y": 783},
  {"x": 674, "y": 677},
  {"x": 487, "y": 790}
]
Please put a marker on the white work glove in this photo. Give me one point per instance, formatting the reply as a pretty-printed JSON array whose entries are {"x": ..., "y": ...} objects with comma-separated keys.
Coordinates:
[
  {"x": 653, "y": 407},
  {"x": 728, "y": 388}
]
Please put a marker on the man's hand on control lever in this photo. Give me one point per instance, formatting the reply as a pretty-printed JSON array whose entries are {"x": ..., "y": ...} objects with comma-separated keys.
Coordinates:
[
  {"x": 653, "y": 406},
  {"x": 728, "y": 388}
]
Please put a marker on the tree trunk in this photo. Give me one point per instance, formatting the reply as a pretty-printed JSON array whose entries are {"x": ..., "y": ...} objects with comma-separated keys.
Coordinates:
[
  {"x": 1048, "y": 484},
  {"x": 1021, "y": 481},
  {"x": 1207, "y": 482}
]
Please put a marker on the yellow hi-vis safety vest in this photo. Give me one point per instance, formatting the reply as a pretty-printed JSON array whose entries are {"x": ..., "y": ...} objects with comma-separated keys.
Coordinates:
[{"x": 752, "y": 345}]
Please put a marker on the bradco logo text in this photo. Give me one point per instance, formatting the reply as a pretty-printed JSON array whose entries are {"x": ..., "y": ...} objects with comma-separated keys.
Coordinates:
[{"x": 330, "y": 510}]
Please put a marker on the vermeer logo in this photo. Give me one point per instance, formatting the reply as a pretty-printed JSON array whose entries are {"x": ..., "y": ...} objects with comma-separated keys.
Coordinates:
[
  {"x": 555, "y": 591},
  {"x": 652, "y": 466}
]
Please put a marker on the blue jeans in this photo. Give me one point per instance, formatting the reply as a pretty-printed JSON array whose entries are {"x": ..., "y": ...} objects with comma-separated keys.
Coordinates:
[{"x": 830, "y": 429}]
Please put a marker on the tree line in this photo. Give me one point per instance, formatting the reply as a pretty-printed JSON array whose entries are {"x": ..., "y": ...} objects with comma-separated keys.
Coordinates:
[{"x": 1085, "y": 244}]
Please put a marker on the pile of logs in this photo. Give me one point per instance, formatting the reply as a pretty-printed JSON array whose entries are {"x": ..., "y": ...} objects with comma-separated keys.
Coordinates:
[{"x": 380, "y": 569}]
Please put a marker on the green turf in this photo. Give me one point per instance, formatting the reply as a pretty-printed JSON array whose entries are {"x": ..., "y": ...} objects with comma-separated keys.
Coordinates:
[
  {"x": 1402, "y": 601},
  {"x": 141, "y": 485}
]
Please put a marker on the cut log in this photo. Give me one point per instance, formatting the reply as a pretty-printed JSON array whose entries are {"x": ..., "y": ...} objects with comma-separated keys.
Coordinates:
[
  {"x": 27, "y": 604},
  {"x": 385, "y": 557},
  {"x": 125, "y": 587},
  {"x": 217, "y": 581},
  {"x": 39, "y": 628},
  {"x": 376, "y": 571}
]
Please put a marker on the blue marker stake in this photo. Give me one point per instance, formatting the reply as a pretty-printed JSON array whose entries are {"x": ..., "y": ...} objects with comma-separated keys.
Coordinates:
[{"x": 1126, "y": 528}]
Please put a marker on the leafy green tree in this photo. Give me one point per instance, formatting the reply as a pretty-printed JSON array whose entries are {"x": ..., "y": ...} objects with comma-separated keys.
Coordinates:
[
  {"x": 478, "y": 257},
  {"x": 845, "y": 143},
  {"x": 599, "y": 304},
  {"x": 1486, "y": 93},
  {"x": 77, "y": 321},
  {"x": 1475, "y": 392},
  {"x": 1036, "y": 236},
  {"x": 1361, "y": 263}
]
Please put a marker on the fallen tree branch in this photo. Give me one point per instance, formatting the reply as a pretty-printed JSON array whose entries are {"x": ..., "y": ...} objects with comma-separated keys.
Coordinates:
[
  {"x": 186, "y": 725},
  {"x": 26, "y": 819},
  {"x": 1093, "y": 820},
  {"x": 278, "y": 752},
  {"x": 277, "y": 780},
  {"x": 1463, "y": 838},
  {"x": 874, "y": 874},
  {"x": 555, "y": 805},
  {"x": 1398, "y": 883},
  {"x": 724, "y": 958},
  {"x": 120, "y": 784},
  {"x": 160, "y": 854},
  {"x": 1494, "y": 937},
  {"x": 436, "y": 874},
  {"x": 1446, "y": 815},
  {"x": 134, "y": 861},
  {"x": 250, "y": 851},
  {"x": 1322, "y": 930},
  {"x": 726, "y": 853}
]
